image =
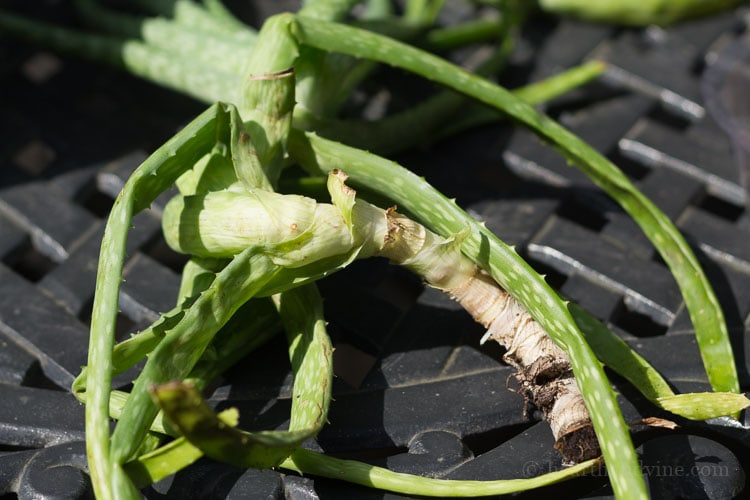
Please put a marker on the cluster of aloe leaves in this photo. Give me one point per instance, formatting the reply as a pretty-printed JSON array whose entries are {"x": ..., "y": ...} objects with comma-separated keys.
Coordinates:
[{"x": 280, "y": 91}]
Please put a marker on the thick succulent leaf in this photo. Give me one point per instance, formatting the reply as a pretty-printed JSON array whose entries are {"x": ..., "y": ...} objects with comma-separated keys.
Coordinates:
[{"x": 187, "y": 410}]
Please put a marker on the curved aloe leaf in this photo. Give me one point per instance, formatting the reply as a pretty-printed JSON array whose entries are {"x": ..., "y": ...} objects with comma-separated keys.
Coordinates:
[
  {"x": 508, "y": 269},
  {"x": 641, "y": 13},
  {"x": 154, "y": 176},
  {"x": 215, "y": 435},
  {"x": 311, "y": 355},
  {"x": 185, "y": 408},
  {"x": 701, "y": 302},
  {"x": 310, "y": 352},
  {"x": 703, "y": 406},
  {"x": 204, "y": 82},
  {"x": 310, "y": 462}
]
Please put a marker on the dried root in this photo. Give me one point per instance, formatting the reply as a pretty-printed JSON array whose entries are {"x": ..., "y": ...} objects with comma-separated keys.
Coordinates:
[
  {"x": 543, "y": 370},
  {"x": 546, "y": 380}
]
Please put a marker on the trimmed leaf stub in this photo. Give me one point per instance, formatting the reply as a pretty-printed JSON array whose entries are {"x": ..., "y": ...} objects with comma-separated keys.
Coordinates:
[
  {"x": 183, "y": 405},
  {"x": 342, "y": 196}
]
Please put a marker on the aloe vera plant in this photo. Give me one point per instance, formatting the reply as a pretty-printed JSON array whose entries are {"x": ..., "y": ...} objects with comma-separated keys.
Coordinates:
[
  {"x": 249, "y": 242},
  {"x": 661, "y": 12}
]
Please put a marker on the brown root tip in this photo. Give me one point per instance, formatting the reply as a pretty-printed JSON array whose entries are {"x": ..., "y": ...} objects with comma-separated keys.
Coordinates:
[{"x": 578, "y": 445}]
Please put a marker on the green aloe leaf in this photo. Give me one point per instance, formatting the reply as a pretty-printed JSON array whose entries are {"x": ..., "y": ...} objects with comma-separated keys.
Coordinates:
[
  {"x": 154, "y": 176},
  {"x": 507, "y": 268},
  {"x": 641, "y": 13},
  {"x": 702, "y": 406},
  {"x": 309, "y": 462},
  {"x": 311, "y": 355},
  {"x": 701, "y": 302},
  {"x": 185, "y": 408}
]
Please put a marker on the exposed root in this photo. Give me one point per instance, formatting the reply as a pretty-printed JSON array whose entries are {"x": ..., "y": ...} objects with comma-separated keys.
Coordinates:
[
  {"x": 545, "y": 378},
  {"x": 543, "y": 370}
]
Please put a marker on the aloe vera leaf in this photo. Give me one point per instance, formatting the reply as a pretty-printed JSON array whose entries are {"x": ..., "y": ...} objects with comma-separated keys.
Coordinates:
[
  {"x": 534, "y": 93},
  {"x": 251, "y": 326},
  {"x": 508, "y": 269},
  {"x": 154, "y": 176},
  {"x": 310, "y": 462},
  {"x": 208, "y": 49},
  {"x": 266, "y": 103},
  {"x": 705, "y": 405},
  {"x": 427, "y": 120},
  {"x": 195, "y": 420},
  {"x": 162, "y": 462},
  {"x": 329, "y": 10},
  {"x": 180, "y": 350},
  {"x": 468, "y": 32},
  {"x": 423, "y": 12},
  {"x": 700, "y": 300},
  {"x": 377, "y": 9},
  {"x": 195, "y": 16},
  {"x": 206, "y": 84},
  {"x": 642, "y": 13},
  {"x": 203, "y": 83},
  {"x": 170, "y": 458},
  {"x": 616, "y": 354},
  {"x": 105, "y": 304},
  {"x": 386, "y": 135},
  {"x": 311, "y": 356},
  {"x": 217, "y": 439},
  {"x": 221, "y": 13},
  {"x": 259, "y": 146}
]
